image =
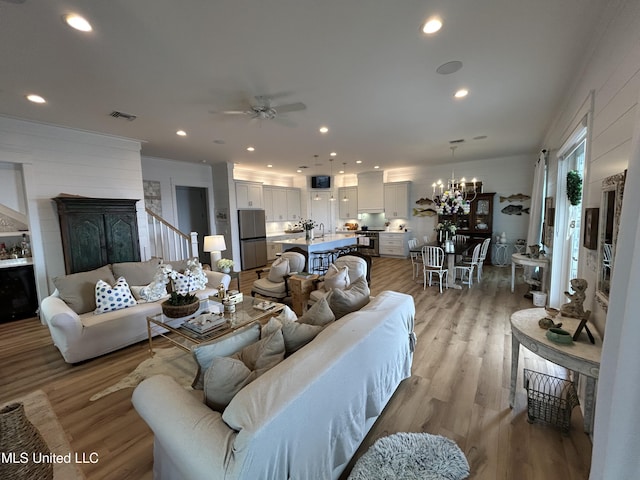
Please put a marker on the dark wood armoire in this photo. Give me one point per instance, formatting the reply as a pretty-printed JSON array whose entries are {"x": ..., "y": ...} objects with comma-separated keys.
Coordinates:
[{"x": 97, "y": 231}]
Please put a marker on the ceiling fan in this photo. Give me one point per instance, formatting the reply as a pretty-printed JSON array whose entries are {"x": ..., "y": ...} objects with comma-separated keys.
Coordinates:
[{"x": 264, "y": 109}]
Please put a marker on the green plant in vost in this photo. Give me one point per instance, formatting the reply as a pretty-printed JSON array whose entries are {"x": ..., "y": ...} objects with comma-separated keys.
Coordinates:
[{"x": 574, "y": 187}]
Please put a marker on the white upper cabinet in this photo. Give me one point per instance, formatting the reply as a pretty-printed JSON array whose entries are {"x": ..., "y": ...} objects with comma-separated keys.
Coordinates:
[
  {"x": 348, "y": 208},
  {"x": 396, "y": 200},
  {"x": 249, "y": 195},
  {"x": 282, "y": 204},
  {"x": 370, "y": 192},
  {"x": 294, "y": 200}
]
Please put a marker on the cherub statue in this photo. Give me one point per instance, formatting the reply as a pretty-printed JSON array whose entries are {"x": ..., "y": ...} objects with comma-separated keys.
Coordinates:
[{"x": 575, "y": 306}]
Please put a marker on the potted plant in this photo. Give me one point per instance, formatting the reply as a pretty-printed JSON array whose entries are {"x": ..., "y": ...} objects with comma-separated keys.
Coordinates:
[
  {"x": 182, "y": 302},
  {"x": 225, "y": 264},
  {"x": 307, "y": 225}
]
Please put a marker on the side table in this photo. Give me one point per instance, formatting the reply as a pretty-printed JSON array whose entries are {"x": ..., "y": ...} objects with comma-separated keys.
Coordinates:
[
  {"x": 301, "y": 286},
  {"x": 581, "y": 356}
]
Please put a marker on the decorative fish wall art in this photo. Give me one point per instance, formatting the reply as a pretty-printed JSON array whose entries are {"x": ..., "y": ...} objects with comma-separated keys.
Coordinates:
[
  {"x": 520, "y": 197},
  {"x": 424, "y": 201},
  {"x": 514, "y": 210},
  {"x": 424, "y": 212}
]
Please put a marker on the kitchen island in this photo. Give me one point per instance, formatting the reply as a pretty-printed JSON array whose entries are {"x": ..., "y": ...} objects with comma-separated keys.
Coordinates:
[{"x": 319, "y": 244}]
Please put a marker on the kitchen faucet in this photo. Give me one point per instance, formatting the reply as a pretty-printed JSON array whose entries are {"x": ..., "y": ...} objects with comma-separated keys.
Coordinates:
[{"x": 322, "y": 227}]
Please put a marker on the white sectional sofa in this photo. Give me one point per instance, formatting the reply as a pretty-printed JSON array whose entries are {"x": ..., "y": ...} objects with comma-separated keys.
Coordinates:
[
  {"x": 302, "y": 419},
  {"x": 80, "y": 334}
]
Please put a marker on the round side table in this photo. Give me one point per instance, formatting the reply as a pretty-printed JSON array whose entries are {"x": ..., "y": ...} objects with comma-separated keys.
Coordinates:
[{"x": 502, "y": 254}]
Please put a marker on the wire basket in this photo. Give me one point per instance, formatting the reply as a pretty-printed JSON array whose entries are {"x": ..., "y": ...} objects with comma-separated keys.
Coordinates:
[{"x": 550, "y": 399}]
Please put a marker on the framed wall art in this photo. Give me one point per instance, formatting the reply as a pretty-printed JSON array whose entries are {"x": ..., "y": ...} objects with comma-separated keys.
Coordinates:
[{"x": 590, "y": 239}]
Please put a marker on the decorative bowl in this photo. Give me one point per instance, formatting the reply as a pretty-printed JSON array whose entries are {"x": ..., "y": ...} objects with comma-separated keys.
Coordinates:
[
  {"x": 559, "y": 335},
  {"x": 552, "y": 312},
  {"x": 179, "y": 311}
]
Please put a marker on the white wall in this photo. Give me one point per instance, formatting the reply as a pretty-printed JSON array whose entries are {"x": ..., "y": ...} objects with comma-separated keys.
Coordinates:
[
  {"x": 504, "y": 176},
  {"x": 173, "y": 173},
  {"x": 59, "y": 160},
  {"x": 12, "y": 192},
  {"x": 611, "y": 74}
]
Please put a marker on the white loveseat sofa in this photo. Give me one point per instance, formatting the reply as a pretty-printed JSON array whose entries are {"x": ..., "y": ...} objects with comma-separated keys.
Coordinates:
[
  {"x": 80, "y": 336},
  {"x": 303, "y": 419}
]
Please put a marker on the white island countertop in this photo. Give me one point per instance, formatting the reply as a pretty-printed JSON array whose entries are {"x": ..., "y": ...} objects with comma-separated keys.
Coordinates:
[{"x": 326, "y": 241}]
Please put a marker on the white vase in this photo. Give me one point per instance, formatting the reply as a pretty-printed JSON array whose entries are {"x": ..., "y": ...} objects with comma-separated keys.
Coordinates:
[
  {"x": 226, "y": 270},
  {"x": 308, "y": 235}
]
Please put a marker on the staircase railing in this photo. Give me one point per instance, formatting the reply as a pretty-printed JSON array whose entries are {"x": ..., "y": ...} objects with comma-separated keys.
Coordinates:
[{"x": 169, "y": 243}]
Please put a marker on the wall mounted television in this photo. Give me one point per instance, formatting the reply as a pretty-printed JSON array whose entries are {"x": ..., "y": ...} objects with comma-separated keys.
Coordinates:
[{"x": 321, "y": 181}]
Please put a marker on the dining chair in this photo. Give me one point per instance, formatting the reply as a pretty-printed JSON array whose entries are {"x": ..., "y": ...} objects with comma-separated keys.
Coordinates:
[
  {"x": 460, "y": 239},
  {"x": 416, "y": 257},
  {"x": 468, "y": 267},
  {"x": 425, "y": 238},
  {"x": 483, "y": 255},
  {"x": 606, "y": 260},
  {"x": 433, "y": 262}
]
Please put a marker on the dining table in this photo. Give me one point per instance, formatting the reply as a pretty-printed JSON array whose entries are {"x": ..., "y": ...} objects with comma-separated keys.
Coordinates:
[{"x": 459, "y": 250}]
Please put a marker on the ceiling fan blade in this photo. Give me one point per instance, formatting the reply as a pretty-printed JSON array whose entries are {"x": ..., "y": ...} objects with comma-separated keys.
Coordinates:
[{"x": 290, "y": 107}]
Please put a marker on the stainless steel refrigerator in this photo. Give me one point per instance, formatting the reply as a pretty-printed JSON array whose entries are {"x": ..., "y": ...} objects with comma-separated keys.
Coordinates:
[{"x": 253, "y": 238}]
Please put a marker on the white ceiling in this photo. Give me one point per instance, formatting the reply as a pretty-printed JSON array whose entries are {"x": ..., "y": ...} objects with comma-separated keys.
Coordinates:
[{"x": 362, "y": 67}]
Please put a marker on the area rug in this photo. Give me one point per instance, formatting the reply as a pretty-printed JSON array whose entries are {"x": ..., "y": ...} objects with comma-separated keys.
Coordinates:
[
  {"x": 412, "y": 456},
  {"x": 41, "y": 415},
  {"x": 173, "y": 361}
]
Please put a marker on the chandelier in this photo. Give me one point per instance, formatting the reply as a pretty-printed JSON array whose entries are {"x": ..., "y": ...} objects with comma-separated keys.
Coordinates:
[{"x": 455, "y": 196}]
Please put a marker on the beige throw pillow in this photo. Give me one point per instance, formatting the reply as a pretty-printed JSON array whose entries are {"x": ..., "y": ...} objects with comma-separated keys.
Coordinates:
[
  {"x": 353, "y": 298},
  {"x": 137, "y": 273},
  {"x": 226, "y": 377},
  {"x": 336, "y": 277},
  {"x": 78, "y": 290},
  {"x": 279, "y": 268},
  {"x": 297, "y": 335},
  {"x": 271, "y": 327},
  {"x": 319, "y": 314}
]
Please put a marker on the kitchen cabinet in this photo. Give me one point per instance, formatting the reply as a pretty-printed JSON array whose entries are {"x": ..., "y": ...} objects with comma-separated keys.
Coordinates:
[
  {"x": 478, "y": 224},
  {"x": 249, "y": 195},
  {"x": 294, "y": 208},
  {"x": 349, "y": 208},
  {"x": 393, "y": 244},
  {"x": 272, "y": 250},
  {"x": 370, "y": 192},
  {"x": 97, "y": 231},
  {"x": 396, "y": 200},
  {"x": 281, "y": 204}
]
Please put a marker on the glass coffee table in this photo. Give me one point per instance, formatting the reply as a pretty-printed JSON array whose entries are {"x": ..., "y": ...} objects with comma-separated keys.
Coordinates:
[{"x": 245, "y": 313}]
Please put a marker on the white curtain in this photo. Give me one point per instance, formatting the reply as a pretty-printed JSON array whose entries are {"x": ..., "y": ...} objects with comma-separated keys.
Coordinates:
[{"x": 534, "y": 234}]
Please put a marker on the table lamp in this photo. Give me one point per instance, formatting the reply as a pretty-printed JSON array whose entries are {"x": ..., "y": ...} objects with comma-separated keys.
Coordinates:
[{"x": 215, "y": 245}]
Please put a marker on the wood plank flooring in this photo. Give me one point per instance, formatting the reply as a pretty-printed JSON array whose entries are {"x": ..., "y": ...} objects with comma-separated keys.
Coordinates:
[{"x": 459, "y": 387}]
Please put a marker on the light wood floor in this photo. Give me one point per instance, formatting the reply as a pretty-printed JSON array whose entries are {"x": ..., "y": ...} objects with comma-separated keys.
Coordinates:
[{"x": 459, "y": 387}]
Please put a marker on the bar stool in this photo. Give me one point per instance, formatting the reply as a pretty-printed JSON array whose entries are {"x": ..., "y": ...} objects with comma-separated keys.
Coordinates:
[{"x": 321, "y": 261}]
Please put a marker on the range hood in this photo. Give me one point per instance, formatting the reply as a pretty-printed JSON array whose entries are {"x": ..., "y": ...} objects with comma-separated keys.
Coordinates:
[{"x": 371, "y": 192}]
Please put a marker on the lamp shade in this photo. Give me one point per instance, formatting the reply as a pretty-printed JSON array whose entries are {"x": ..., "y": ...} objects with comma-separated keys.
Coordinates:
[{"x": 214, "y": 243}]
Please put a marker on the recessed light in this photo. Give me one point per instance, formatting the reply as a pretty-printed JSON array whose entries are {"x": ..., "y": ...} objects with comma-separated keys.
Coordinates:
[
  {"x": 299, "y": 170},
  {"x": 333, "y": 154},
  {"x": 324, "y": 129},
  {"x": 251, "y": 149},
  {"x": 463, "y": 92},
  {"x": 181, "y": 133},
  {"x": 269, "y": 166},
  {"x": 358, "y": 161},
  {"x": 377, "y": 166},
  {"x": 35, "y": 98},
  {"x": 432, "y": 25},
  {"x": 76, "y": 21},
  {"x": 341, "y": 171}
]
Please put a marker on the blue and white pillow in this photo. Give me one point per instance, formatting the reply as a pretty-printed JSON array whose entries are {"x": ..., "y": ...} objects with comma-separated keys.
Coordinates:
[{"x": 109, "y": 299}]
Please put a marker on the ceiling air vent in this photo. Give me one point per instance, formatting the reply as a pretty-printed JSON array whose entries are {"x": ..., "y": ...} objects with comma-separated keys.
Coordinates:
[
  {"x": 126, "y": 116},
  {"x": 453, "y": 142}
]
